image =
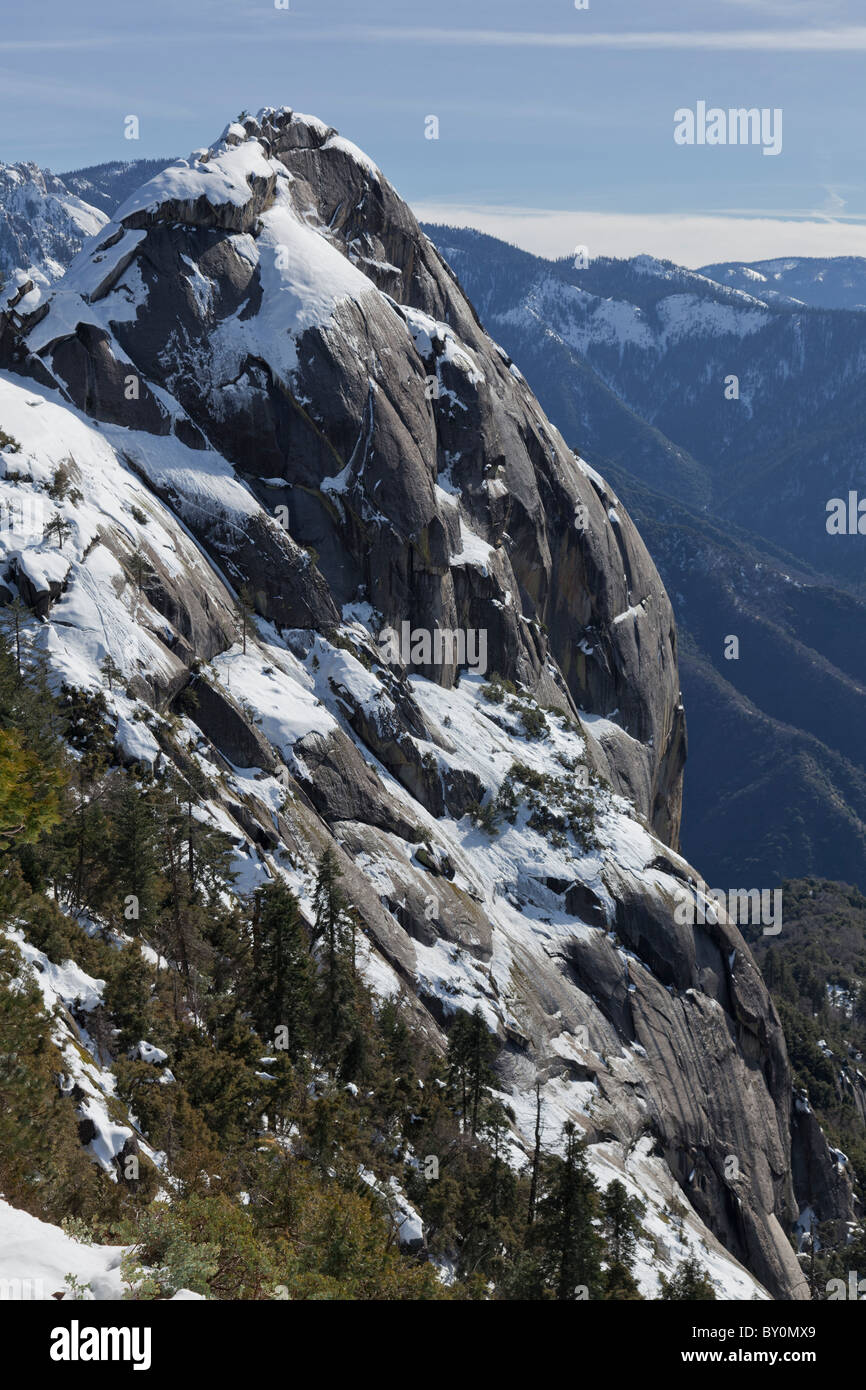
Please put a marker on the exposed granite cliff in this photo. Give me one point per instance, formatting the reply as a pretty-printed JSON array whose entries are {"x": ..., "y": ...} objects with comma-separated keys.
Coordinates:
[{"x": 267, "y": 343}]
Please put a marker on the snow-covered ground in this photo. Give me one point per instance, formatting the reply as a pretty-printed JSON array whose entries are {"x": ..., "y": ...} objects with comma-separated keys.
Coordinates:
[
  {"x": 36, "y": 1258},
  {"x": 40, "y": 1261}
]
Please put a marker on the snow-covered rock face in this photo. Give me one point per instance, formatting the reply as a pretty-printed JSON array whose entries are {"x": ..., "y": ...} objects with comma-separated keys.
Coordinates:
[
  {"x": 263, "y": 373},
  {"x": 42, "y": 226},
  {"x": 272, "y": 295}
]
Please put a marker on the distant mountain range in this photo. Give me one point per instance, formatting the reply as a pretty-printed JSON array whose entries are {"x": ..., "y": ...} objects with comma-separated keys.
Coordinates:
[
  {"x": 630, "y": 360},
  {"x": 46, "y": 218},
  {"x": 836, "y": 282},
  {"x": 106, "y": 186},
  {"x": 42, "y": 222}
]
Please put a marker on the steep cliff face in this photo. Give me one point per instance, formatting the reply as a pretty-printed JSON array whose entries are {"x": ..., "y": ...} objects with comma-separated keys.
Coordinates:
[
  {"x": 303, "y": 325},
  {"x": 264, "y": 357}
]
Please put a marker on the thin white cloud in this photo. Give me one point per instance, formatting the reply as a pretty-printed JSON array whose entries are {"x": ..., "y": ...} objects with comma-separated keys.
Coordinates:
[
  {"x": 841, "y": 38},
  {"x": 689, "y": 239},
  {"x": 89, "y": 97},
  {"x": 836, "y": 39},
  {"x": 796, "y": 9},
  {"x": 60, "y": 45},
  {"x": 834, "y": 204}
]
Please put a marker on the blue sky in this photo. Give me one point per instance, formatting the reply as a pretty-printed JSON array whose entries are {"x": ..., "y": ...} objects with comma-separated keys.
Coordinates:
[{"x": 555, "y": 124}]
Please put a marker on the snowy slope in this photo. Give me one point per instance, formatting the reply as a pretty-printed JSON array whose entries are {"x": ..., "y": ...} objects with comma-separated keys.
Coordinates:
[
  {"x": 420, "y": 478},
  {"x": 40, "y": 1261},
  {"x": 36, "y": 1258},
  {"x": 296, "y": 693}
]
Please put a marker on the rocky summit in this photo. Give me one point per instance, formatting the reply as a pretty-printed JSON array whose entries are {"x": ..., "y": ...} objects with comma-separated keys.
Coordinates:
[{"x": 270, "y": 397}]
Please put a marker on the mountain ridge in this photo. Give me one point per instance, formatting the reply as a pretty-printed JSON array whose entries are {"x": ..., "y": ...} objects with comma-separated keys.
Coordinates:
[{"x": 264, "y": 358}]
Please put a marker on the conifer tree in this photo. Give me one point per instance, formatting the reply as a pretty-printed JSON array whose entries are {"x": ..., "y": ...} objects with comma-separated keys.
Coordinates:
[
  {"x": 58, "y": 529},
  {"x": 13, "y": 620},
  {"x": 536, "y": 1157},
  {"x": 88, "y": 734},
  {"x": 565, "y": 1222},
  {"x": 283, "y": 972},
  {"x": 135, "y": 814},
  {"x": 29, "y": 794},
  {"x": 471, "y": 1050},
  {"x": 141, "y": 568},
  {"x": 182, "y": 921},
  {"x": 43, "y": 1167},
  {"x": 111, "y": 671},
  {"x": 489, "y": 1212},
  {"x": 127, "y": 997},
  {"x": 621, "y": 1225},
  {"x": 334, "y": 933},
  {"x": 689, "y": 1282}
]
